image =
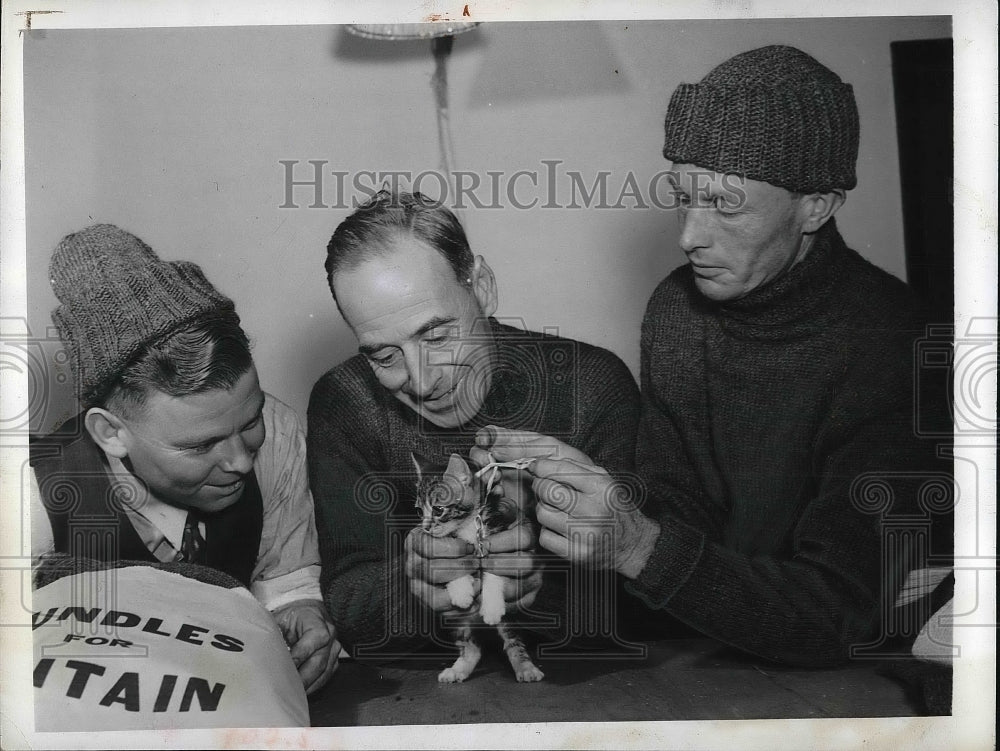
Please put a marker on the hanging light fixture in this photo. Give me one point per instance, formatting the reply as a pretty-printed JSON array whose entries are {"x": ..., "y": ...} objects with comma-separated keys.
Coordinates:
[
  {"x": 442, "y": 35},
  {"x": 410, "y": 31}
]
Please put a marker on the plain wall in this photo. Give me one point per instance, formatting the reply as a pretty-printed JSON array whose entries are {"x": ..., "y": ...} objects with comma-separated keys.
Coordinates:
[{"x": 177, "y": 135}]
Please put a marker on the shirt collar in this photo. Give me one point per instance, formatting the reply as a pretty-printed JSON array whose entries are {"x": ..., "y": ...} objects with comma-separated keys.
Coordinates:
[{"x": 134, "y": 493}]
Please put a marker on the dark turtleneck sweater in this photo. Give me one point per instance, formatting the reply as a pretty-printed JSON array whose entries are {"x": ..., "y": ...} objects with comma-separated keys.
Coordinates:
[
  {"x": 359, "y": 442},
  {"x": 770, "y": 427}
]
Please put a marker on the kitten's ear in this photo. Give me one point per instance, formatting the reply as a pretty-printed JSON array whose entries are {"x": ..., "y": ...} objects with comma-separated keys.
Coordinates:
[
  {"x": 458, "y": 469},
  {"x": 421, "y": 464}
]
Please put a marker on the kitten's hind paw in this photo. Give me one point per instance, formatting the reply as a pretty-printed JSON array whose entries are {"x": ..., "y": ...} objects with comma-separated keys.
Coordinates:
[
  {"x": 529, "y": 674},
  {"x": 450, "y": 675}
]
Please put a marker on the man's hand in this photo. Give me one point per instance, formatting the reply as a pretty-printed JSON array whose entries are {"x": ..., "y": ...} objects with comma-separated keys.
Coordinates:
[
  {"x": 432, "y": 562},
  {"x": 312, "y": 639},
  {"x": 507, "y": 445},
  {"x": 504, "y": 445},
  {"x": 588, "y": 518},
  {"x": 507, "y": 482},
  {"x": 510, "y": 556}
]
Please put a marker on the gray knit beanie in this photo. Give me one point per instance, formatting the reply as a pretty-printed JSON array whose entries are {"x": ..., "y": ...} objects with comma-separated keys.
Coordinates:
[
  {"x": 773, "y": 114},
  {"x": 116, "y": 297}
]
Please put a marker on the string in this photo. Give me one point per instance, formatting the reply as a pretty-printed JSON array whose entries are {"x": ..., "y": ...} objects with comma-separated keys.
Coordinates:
[{"x": 494, "y": 468}]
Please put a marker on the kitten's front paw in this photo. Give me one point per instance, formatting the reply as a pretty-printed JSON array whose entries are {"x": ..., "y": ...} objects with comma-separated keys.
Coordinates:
[
  {"x": 461, "y": 592},
  {"x": 450, "y": 675},
  {"x": 492, "y": 612},
  {"x": 492, "y": 607},
  {"x": 529, "y": 674}
]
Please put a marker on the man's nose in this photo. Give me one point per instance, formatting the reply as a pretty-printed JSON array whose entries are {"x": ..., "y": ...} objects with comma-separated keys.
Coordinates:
[
  {"x": 422, "y": 377},
  {"x": 237, "y": 457},
  {"x": 693, "y": 234}
]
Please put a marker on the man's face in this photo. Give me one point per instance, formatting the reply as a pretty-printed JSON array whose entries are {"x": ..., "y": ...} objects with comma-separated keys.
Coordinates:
[
  {"x": 738, "y": 234},
  {"x": 425, "y": 335},
  {"x": 195, "y": 451}
]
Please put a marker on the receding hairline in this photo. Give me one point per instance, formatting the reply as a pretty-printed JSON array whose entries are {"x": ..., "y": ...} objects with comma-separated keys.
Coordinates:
[{"x": 395, "y": 242}]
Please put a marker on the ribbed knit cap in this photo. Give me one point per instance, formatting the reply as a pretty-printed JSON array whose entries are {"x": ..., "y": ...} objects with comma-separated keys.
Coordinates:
[
  {"x": 116, "y": 297},
  {"x": 772, "y": 114}
]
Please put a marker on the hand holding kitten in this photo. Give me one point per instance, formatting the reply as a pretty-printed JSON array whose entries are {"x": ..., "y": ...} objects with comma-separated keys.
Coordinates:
[{"x": 433, "y": 562}]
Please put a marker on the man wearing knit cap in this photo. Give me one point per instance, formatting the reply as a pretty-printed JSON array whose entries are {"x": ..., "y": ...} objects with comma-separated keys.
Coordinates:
[
  {"x": 178, "y": 455},
  {"x": 776, "y": 379}
]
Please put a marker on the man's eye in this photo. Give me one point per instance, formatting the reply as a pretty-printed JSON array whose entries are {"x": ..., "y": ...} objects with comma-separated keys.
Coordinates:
[
  {"x": 203, "y": 448},
  {"x": 441, "y": 335},
  {"x": 724, "y": 206},
  {"x": 383, "y": 361}
]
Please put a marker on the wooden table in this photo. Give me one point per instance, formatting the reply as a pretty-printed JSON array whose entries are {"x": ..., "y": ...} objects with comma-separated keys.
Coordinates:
[{"x": 685, "y": 679}]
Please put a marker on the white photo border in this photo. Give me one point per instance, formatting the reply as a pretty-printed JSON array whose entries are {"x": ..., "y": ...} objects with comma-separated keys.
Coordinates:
[{"x": 972, "y": 722}]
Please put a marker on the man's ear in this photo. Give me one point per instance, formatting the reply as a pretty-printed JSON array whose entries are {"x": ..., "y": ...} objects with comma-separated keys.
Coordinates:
[
  {"x": 484, "y": 286},
  {"x": 108, "y": 431},
  {"x": 819, "y": 207}
]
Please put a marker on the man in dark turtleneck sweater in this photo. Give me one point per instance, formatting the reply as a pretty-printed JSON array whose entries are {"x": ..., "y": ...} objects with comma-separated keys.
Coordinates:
[
  {"x": 777, "y": 385},
  {"x": 433, "y": 367}
]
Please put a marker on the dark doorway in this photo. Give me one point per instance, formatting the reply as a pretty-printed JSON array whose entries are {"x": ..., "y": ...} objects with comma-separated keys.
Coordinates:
[{"x": 923, "y": 74}]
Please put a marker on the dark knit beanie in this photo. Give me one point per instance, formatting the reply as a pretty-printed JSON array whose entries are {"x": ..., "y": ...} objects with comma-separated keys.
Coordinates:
[
  {"x": 772, "y": 114},
  {"x": 116, "y": 297}
]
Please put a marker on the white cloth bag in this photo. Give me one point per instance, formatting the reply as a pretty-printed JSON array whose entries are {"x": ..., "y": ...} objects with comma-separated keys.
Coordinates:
[{"x": 141, "y": 648}]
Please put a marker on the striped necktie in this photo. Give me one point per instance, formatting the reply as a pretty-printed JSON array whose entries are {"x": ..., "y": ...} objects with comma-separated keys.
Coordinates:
[{"x": 192, "y": 543}]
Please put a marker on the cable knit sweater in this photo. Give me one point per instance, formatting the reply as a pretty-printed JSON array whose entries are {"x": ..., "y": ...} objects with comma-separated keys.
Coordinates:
[
  {"x": 757, "y": 417},
  {"x": 359, "y": 443}
]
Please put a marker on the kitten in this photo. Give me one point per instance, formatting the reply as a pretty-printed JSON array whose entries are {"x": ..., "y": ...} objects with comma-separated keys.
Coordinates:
[{"x": 454, "y": 503}]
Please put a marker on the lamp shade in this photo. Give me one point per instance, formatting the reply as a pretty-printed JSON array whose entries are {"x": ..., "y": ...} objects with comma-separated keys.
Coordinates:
[{"x": 394, "y": 31}]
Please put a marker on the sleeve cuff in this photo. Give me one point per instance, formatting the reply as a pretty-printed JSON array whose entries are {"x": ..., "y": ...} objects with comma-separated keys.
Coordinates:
[
  {"x": 302, "y": 584},
  {"x": 675, "y": 556}
]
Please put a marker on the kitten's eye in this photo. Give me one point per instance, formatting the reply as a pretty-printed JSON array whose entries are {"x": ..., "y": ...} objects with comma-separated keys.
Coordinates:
[{"x": 438, "y": 510}]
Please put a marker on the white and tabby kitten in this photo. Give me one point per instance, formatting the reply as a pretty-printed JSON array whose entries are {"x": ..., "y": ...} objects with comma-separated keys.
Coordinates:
[{"x": 454, "y": 502}]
